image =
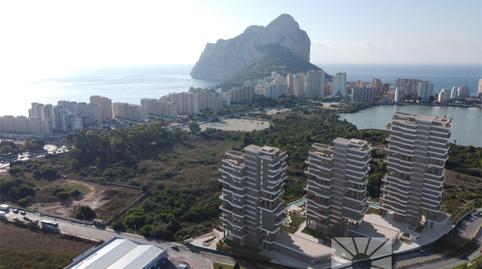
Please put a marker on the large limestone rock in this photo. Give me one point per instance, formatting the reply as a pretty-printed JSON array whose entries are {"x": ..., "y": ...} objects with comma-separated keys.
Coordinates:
[{"x": 280, "y": 46}]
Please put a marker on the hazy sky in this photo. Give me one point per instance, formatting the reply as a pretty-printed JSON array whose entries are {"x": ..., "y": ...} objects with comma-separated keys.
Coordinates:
[{"x": 42, "y": 37}]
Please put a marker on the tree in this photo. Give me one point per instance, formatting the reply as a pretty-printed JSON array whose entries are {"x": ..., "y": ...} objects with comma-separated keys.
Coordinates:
[
  {"x": 118, "y": 226},
  {"x": 6, "y": 148},
  {"x": 194, "y": 127},
  {"x": 63, "y": 195},
  {"x": 84, "y": 213}
]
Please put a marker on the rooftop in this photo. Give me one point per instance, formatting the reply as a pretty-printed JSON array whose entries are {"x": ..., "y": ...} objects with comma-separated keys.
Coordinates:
[
  {"x": 117, "y": 253},
  {"x": 442, "y": 121}
]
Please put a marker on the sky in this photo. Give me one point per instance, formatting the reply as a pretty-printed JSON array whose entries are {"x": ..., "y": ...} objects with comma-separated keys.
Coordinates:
[{"x": 42, "y": 38}]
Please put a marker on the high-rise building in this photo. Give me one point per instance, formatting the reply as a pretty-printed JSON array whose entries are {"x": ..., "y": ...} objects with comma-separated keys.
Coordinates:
[
  {"x": 479, "y": 92},
  {"x": 95, "y": 115},
  {"x": 365, "y": 95},
  {"x": 299, "y": 85},
  {"x": 158, "y": 108},
  {"x": 453, "y": 93},
  {"x": 407, "y": 86},
  {"x": 416, "y": 154},
  {"x": 127, "y": 111},
  {"x": 443, "y": 96},
  {"x": 242, "y": 95},
  {"x": 463, "y": 91},
  {"x": 314, "y": 84},
  {"x": 186, "y": 103},
  {"x": 289, "y": 81},
  {"x": 425, "y": 90},
  {"x": 339, "y": 84},
  {"x": 397, "y": 97},
  {"x": 105, "y": 106},
  {"x": 23, "y": 125},
  {"x": 377, "y": 86},
  {"x": 252, "y": 190},
  {"x": 337, "y": 185},
  {"x": 207, "y": 99}
]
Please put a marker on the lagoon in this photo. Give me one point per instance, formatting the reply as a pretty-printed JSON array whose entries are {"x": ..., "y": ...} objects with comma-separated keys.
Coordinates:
[{"x": 466, "y": 128}]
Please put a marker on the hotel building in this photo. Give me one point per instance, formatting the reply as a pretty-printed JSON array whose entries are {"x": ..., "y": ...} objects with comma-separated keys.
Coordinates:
[
  {"x": 337, "y": 185},
  {"x": 416, "y": 154},
  {"x": 252, "y": 191}
]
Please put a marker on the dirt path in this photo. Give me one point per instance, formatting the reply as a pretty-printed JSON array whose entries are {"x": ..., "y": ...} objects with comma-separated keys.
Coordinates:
[{"x": 94, "y": 198}]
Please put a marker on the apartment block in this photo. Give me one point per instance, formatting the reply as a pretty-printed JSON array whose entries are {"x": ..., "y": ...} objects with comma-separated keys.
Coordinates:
[
  {"x": 186, "y": 103},
  {"x": 127, "y": 111},
  {"x": 105, "y": 106},
  {"x": 207, "y": 99},
  {"x": 337, "y": 185},
  {"x": 158, "y": 108},
  {"x": 242, "y": 95},
  {"x": 364, "y": 95},
  {"x": 339, "y": 84},
  {"x": 425, "y": 90},
  {"x": 299, "y": 85},
  {"x": 23, "y": 125},
  {"x": 416, "y": 154},
  {"x": 314, "y": 84},
  {"x": 252, "y": 195}
]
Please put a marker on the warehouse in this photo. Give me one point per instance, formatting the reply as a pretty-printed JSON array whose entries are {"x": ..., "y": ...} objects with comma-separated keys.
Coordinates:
[{"x": 120, "y": 253}]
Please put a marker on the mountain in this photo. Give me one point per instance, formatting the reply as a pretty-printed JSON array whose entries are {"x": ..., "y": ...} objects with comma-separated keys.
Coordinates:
[{"x": 280, "y": 46}]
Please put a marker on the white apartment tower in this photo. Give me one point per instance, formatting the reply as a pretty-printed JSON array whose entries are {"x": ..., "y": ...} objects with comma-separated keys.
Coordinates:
[
  {"x": 252, "y": 191},
  {"x": 339, "y": 84},
  {"x": 416, "y": 154},
  {"x": 314, "y": 84},
  {"x": 337, "y": 185}
]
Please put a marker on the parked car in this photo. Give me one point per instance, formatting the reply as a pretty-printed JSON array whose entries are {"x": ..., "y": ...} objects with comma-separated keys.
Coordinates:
[
  {"x": 15, "y": 211},
  {"x": 22, "y": 212}
]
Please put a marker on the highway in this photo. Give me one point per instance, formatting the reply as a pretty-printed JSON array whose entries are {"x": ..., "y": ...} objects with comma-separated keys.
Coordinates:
[{"x": 89, "y": 232}]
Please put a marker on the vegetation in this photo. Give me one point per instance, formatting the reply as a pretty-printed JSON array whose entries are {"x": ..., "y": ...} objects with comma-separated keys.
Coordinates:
[
  {"x": 31, "y": 249},
  {"x": 461, "y": 193},
  {"x": 465, "y": 160},
  {"x": 173, "y": 214},
  {"x": 17, "y": 190},
  {"x": 84, "y": 213},
  {"x": 9, "y": 147},
  {"x": 38, "y": 171}
]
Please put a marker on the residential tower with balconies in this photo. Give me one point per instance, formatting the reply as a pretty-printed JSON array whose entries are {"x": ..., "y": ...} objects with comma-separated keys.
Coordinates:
[
  {"x": 337, "y": 185},
  {"x": 252, "y": 190},
  {"x": 416, "y": 154}
]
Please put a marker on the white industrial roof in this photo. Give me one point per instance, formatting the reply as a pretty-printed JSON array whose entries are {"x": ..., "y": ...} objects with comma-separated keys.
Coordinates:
[{"x": 118, "y": 253}]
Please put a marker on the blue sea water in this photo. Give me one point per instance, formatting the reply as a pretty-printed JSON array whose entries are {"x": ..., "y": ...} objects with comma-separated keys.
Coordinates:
[{"x": 131, "y": 83}]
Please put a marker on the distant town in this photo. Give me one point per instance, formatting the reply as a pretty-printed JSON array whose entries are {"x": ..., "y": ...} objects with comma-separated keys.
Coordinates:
[{"x": 67, "y": 116}]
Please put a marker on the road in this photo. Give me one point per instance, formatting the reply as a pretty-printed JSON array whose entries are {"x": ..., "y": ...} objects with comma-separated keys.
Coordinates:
[
  {"x": 447, "y": 252},
  {"x": 196, "y": 260}
]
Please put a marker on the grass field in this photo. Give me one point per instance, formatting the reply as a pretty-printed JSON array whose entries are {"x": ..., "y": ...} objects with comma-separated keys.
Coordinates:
[
  {"x": 462, "y": 193},
  {"x": 23, "y": 248}
]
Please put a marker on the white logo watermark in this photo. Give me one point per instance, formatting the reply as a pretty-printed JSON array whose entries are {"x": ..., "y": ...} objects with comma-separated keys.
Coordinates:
[{"x": 361, "y": 252}]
